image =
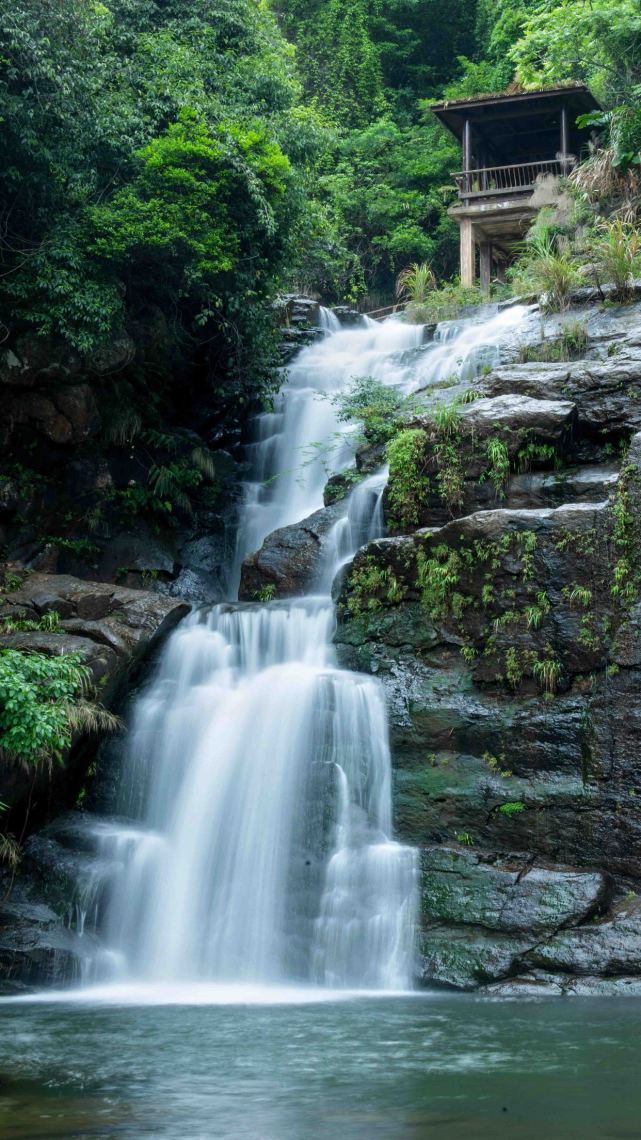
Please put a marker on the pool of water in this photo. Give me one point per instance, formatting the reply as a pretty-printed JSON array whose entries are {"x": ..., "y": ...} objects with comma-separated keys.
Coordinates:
[{"x": 365, "y": 1068}]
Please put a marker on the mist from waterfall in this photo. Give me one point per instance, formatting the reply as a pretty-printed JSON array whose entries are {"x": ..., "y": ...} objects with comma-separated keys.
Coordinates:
[{"x": 257, "y": 845}]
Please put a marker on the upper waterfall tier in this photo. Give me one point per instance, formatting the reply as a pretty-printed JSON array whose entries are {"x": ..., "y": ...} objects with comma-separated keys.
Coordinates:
[{"x": 301, "y": 442}]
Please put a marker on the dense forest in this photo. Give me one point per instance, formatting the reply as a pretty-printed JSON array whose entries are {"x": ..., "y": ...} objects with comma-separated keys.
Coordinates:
[{"x": 193, "y": 158}]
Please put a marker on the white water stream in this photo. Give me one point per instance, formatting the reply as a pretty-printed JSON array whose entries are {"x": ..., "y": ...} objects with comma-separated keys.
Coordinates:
[{"x": 259, "y": 773}]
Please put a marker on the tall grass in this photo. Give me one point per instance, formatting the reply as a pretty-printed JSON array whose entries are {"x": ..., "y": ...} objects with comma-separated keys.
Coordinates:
[
  {"x": 618, "y": 255},
  {"x": 415, "y": 283},
  {"x": 546, "y": 267}
]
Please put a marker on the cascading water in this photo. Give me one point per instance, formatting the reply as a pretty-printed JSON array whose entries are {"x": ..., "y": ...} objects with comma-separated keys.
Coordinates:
[{"x": 260, "y": 772}]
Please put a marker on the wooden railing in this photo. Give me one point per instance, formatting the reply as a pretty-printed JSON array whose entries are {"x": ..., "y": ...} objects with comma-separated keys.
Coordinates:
[
  {"x": 491, "y": 180},
  {"x": 381, "y": 314}
]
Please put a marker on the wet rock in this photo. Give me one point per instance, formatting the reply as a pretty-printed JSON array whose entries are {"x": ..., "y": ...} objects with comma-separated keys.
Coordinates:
[
  {"x": 485, "y": 918},
  {"x": 138, "y": 558},
  {"x": 547, "y": 420},
  {"x": 349, "y": 318},
  {"x": 37, "y": 951},
  {"x": 111, "y": 628},
  {"x": 462, "y": 886},
  {"x": 507, "y": 764},
  {"x": 587, "y": 484},
  {"x": 535, "y": 985},
  {"x": 609, "y": 947},
  {"x": 607, "y": 394},
  {"x": 290, "y": 558},
  {"x": 514, "y": 422},
  {"x": 468, "y": 957}
]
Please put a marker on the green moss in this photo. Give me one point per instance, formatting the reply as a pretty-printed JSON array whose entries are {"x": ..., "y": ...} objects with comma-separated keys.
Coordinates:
[{"x": 512, "y": 807}]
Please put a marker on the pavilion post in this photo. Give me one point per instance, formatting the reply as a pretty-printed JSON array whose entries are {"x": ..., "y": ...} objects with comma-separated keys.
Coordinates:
[
  {"x": 467, "y": 156},
  {"x": 467, "y": 253},
  {"x": 565, "y": 140},
  {"x": 485, "y": 265}
]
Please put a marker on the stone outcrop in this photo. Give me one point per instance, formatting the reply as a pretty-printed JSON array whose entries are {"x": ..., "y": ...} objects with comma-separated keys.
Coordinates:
[
  {"x": 606, "y": 394},
  {"x": 506, "y": 631},
  {"x": 484, "y": 917},
  {"x": 290, "y": 559},
  {"x": 111, "y": 628}
]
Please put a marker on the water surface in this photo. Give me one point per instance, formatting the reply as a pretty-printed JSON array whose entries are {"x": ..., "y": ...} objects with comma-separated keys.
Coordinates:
[{"x": 384, "y": 1068}]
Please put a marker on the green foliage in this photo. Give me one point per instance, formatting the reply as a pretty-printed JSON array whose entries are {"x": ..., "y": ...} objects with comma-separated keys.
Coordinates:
[
  {"x": 495, "y": 763},
  {"x": 595, "y": 41},
  {"x": 48, "y": 623},
  {"x": 267, "y": 593},
  {"x": 447, "y": 303},
  {"x": 371, "y": 586},
  {"x": 415, "y": 283},
  {"x": 11, "y": 581},
  {"x": 448, "y": 454},
  {"x": 42, "y": 703},
  {"x": 385, "y": 188},
  {"x": 408, "y": 455},
  {"x": 155, "y": 155},
  {"x": 464, "y": 838},
  {"x": 547, "y": 672},
  {"x": 535, "y": 454},
  {"x": 379, "y": 408},
  {"x": 626, "y": 575},
  {"x": 439, "y": 575},
  {"x": 570, "y": 344},
  {"x": 546, "y": 267}
]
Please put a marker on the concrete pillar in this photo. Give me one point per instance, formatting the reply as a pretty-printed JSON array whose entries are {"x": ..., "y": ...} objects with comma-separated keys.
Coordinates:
[
  {"x": 565, "y": 136},
  {"x": 485, "y": 265},
  {"x": 467, "y": 156},
  {"x": 565, "y": 140},
  {"x": 500, "y": 272},
  {"x": 467, "y": 253}
]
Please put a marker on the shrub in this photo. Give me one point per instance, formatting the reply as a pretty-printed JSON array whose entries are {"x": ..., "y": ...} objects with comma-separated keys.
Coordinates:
[
  {"x": 378, "y": 408},
  {"x": 43, "y": 701}
]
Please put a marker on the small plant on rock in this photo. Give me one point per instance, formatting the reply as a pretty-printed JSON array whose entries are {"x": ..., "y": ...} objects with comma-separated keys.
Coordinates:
[{"x": 499, "y": 464}]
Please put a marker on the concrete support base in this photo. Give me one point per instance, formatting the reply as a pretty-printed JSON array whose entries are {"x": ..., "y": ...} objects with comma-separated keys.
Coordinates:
[{"x": 467, "y": 253}]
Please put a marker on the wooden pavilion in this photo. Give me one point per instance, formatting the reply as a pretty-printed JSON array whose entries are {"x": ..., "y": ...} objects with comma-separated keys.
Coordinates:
[{"x": 511, "y": 144}]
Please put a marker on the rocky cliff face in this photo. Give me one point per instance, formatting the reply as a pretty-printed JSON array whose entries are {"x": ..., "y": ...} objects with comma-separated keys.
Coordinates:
[
  {"x": 506, "y": 628},
  {"x": 113, "y": 629}
]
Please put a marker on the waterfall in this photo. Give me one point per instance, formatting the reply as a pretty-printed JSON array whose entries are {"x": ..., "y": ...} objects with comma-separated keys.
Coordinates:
[{"x": 257, "y": 840}]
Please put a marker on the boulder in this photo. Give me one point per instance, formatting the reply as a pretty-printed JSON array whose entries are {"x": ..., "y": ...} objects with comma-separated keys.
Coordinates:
[
  {"x": 461, "y": 886},
  {"x": 606, "y": 394},
  {"x": 483, "y": 915},
  {"x": 290, "y": 559},
  {"x": 111, "y": 628}
]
